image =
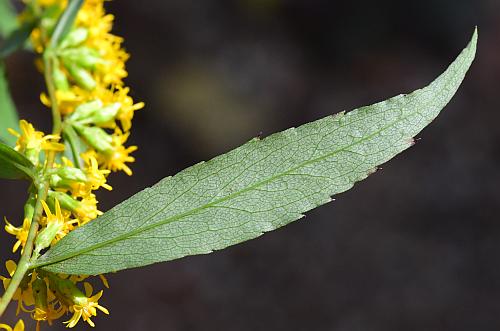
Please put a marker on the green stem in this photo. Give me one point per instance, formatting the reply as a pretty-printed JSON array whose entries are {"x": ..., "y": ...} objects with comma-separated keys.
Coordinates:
[
  {"x": 24, "y": 262},
  {"x": 48, "y": 60},
  {"x": 42, "y": 191}
]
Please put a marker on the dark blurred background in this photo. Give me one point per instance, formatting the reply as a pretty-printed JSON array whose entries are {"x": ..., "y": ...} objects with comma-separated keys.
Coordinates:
[{"x": 414, "y": 247}]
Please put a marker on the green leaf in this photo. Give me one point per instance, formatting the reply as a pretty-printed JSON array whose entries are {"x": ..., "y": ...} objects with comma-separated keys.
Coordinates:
[
  {"x": 256, "y": 188},
  {"x": 8, "y": 18},
  {"x": 14, "y": 165},
  {"x": 65, "y": 22},
  {"x": 17, "y": 39},
  {"x": 8, "y": 113}
]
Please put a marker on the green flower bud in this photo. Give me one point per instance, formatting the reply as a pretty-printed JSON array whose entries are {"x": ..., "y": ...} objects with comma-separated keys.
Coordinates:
[
  {"x": 39, "y": 288},
  {"x": 60, "y": 79},
  {"x": 83, "y": 56},
  {"x": 66, "y": 201},
  {"x": 81, "y": 76},
  {"x": 64, "y": 176},
  {"x": 29, "y": 208},
  {"x": 86, "y": 110},
  {"x": 64, "y": 289},
  {"x": 45, "y": 237},
  {"x": 74, "y": 38},
  {"x": 96, "y": 137},
  {"x": 107, "y": 113}
]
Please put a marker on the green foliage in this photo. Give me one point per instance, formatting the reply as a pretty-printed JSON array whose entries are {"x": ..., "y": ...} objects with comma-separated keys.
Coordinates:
[
  {"x": 8, "y": 20},
  {"x": 14, "y": 165},
  {"x": 16, "y": 39},
  {"x": 8, "y": 113},
  {"x": 256, "y": 188}
]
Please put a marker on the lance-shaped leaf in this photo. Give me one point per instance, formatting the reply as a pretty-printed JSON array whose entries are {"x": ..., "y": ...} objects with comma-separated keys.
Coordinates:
[
  {"x": 14, "y": 165},
  {"x": 255, "y": 188},
  {"x": 8, "y": 112}
]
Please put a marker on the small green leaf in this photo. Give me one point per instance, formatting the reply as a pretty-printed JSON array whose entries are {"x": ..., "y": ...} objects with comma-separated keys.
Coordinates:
[
  {"x": 256, "y": 188},
  {"x": 65, "y": 22},
  {"x": 8, "y": 18},
  {"x": 8, "y": 113},
  {"x": 14, "y": 165}
]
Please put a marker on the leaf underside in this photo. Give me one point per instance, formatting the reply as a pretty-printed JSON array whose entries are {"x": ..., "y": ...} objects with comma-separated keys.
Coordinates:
[{"x": 255, "y": 188}]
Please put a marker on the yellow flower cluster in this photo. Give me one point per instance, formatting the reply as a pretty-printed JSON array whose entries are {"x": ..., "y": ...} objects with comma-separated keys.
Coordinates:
[
  {"x": 97, "y": 113},
  {"x": 63, "y": 298}
]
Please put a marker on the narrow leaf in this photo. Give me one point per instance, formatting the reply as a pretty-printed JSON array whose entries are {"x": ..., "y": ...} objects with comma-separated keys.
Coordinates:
[
  {"x": 14, "y": 165},
  {"x": 255, "y": 188},
  {"x": 8, "y": 113}
]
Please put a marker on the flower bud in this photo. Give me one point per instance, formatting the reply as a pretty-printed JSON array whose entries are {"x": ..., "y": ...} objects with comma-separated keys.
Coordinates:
[
  {"x": 81, "y": 76},
  {"x": 55, "y": 223},
  {"x": 60, "y": 79},
  {"x": 65, "y": 176},
  {"x": 85, "y": 110},
  {"x": 107, "y": 113},
  {"x": 47, "y": 235},
  {"x": 40, "y": 293},
  {"x": 29, "y": 207},
  {"x": 74, "y": 38},
  {"x": 66, "y": 201},
  {"x": 64, "y": 289},
  {"x": 85, "y": 57},
  {"x": 71, "y": 173},
  {"x": 96, "y": 137}
]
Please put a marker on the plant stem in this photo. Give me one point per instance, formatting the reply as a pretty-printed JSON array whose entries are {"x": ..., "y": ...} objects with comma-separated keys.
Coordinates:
[
  {"x": 42, "y": 191},
  {"x": 24, "y": 262},
  {"x": 48, "y": 60}
]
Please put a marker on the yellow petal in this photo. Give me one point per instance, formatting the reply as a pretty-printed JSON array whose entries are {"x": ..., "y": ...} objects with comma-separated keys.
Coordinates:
[
  {"x": 88, "y": 289},
  {"x": 104, "y": 280},
  {"x": 19, "y": 326},
  {"x": 47, "y": 209},
  {"x": 11, "y": 267}
]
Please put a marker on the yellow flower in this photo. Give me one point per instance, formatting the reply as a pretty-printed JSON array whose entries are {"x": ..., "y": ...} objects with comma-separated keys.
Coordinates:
[
  {"x": 57, "y": 225},
  {"x": 21, "y": 233},
  {"x": 53, "y": 218},
  {"x": 23, "y": 294},
  {"x": 18, "y": 327},
  {"x": 80, "y": 182},
  {"x": 87, "y": 210},
  {"x": 96, "y": 177},
  {"x": 45, "y": 308},
  {"x": 49, "y": 313},
  {"x": 117, "y": 159},
  {"x": 119, "y": 94},
  {"x": 67, "y": 100},
  {"x": 85, "y": 307},
  {"x": 32, "y": 142}
]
